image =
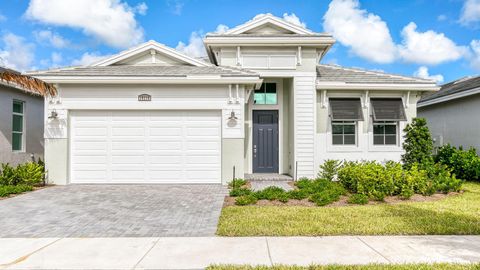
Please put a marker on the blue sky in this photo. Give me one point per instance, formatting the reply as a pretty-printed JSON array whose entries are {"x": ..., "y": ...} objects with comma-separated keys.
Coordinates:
[{"x": 429, "y": 38}]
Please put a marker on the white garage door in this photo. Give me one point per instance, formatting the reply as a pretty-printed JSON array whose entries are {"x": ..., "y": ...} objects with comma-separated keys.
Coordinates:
[{"x": 145, "y": 147}]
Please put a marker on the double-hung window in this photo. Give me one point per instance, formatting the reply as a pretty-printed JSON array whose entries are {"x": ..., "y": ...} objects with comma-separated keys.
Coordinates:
[
  {"x": 18, "y": 125},
  {"x": 266, "y": 95},
  {"x": 344, "y": 114},
  {"x": 387, "y": 113}
]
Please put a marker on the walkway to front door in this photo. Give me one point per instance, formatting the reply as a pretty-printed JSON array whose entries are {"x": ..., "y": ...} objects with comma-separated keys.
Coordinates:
[
  {"x": 114, "y": 211},
  {"x": 265, "y": 141}
]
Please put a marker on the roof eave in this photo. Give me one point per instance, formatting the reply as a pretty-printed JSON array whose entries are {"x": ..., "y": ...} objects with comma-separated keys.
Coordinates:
[
  {"x": 446, "y": 98},
  {"x": 375, "y": 86}
]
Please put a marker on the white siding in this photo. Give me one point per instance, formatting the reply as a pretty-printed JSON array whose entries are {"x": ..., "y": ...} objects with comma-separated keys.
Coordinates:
[{"x": 304, "y": 91}]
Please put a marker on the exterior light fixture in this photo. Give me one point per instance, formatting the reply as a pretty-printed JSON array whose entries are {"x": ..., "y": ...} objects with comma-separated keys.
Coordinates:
[
  {"x": 53, "y": 114},
  {"x": 232, "y": 116}
]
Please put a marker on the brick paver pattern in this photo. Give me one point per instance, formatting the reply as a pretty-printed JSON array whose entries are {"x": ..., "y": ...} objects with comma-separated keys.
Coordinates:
[{"x": 113, "y": 211}]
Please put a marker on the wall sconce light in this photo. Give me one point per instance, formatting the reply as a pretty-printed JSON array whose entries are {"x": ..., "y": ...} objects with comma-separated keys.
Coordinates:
[
  {"x": 53, "y": 114},
  {"x": 232, "y": 116}
]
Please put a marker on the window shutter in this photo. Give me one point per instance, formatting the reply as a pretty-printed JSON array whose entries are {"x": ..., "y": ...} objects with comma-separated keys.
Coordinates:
[
  {"x": 388, "y": 109},
  {"x": 346, "y": 109}
]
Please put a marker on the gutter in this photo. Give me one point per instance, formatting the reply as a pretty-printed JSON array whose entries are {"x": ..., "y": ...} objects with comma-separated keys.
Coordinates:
[{"x": 365, "y": 86}]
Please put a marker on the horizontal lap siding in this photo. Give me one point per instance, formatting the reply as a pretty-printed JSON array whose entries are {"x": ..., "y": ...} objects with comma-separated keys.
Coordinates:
[{"x": 305, "y": 124}]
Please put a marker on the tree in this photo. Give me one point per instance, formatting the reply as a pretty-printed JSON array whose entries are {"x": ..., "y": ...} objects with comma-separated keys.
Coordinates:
[{"x": 418, "y": 143}]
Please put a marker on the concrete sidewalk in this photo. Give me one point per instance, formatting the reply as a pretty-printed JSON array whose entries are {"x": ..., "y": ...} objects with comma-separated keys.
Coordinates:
[{"x": 199, "y": 252}]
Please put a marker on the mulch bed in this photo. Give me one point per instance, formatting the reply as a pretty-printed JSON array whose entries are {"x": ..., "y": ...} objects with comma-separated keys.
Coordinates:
[{"x": 230, "y": 201}]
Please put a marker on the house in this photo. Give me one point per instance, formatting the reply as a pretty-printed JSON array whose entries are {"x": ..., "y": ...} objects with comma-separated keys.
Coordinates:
[
  {"x": 21, "y": 117},
  {"x": 453, "y": 113},
  {"x": 262, "y": 104}
]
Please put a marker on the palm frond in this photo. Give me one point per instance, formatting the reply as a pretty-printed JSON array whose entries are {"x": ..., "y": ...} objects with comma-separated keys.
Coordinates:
[{"x": 28, "y": 83}]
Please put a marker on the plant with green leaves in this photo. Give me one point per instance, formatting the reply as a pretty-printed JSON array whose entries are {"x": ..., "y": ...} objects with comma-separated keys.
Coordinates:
[
  {"x": 329, "y": 169},
  {"x": 465, "y": 164},
  {"x": 418, "y": 144}
]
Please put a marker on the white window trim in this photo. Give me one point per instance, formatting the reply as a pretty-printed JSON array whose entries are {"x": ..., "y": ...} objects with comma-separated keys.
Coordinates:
[
  {"x": 264, "y": 105},
  {"x": 395, "y": 123},
  {"x": 22, "y": 150},
  {"x": 340, "y": 147}
]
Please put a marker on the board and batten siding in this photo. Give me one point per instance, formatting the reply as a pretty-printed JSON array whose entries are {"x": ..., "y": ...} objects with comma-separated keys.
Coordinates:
[{"x": 304, "y": 129}]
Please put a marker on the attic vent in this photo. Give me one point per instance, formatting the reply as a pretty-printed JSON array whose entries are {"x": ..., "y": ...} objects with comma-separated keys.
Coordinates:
[{"x": 144, "y": 97}]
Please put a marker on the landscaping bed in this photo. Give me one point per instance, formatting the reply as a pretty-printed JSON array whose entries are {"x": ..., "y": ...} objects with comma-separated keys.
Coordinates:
[
  {"x": 439, "y": 266},
  {"x": 22, "y": 178}
]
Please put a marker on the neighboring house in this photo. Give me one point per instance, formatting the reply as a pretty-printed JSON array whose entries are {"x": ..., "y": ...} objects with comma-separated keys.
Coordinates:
[
  {"x": 453, "y": 113},
  {"x": 263, "y": 104},
  {"x": 21, "y": 117}
]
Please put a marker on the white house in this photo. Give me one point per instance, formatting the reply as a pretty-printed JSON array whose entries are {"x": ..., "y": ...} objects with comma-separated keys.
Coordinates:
[{"x": 262, "y": 104}]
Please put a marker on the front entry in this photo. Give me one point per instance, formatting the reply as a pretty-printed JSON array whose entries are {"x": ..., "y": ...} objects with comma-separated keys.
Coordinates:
[{"x": 265, "y": 141}]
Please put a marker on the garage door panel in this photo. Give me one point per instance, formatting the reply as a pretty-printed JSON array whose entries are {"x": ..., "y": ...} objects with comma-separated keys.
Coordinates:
[{"x": 145, "y": 147}]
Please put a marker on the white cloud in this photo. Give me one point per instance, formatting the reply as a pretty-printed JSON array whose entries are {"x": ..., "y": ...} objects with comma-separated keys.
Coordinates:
[
  {"x": 176, "y": 6},
  {"x": 292, "y": 18},
  {"x": 111, "y": 21},
  {"x": 2, "y": 17},
  {"x": 141, "y": 8},
  {"x": 194, "y": 48},
  {"x": 55, "y": 60},
  {"x": 221, "y": 28},
  {"x": 16, "y": 53},
  {"x": 475, "y": 55},
  {"x": 54, "y": 39},
  {"x": 428, "y": 47},
  {"x": 422, "y": 72},
  {"x": 442, "y": 17},
  {"x": 470, "y": 12},
  {"x": 89, "y": 58},
  {"x": 365, "y": 33}
]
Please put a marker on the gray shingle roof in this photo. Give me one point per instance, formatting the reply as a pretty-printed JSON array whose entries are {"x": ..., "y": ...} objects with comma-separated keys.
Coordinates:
[
  {"x": 334, "y": 73},
  {"x": 454, "y": 87},
  {"x": 147, "y": 71}
]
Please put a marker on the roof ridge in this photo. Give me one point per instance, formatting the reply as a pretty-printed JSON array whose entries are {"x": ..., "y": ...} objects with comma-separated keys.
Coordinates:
[{"x": 376, "y": 72}]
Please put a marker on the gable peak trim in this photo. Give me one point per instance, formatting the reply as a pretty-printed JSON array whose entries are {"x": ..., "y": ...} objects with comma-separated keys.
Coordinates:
[
  {"x": 150, "y": 46},
  {"x": 266, "y": 19}
]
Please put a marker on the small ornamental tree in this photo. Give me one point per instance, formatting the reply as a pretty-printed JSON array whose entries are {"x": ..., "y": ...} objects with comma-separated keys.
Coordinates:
[{"x": 418, "y": 144}]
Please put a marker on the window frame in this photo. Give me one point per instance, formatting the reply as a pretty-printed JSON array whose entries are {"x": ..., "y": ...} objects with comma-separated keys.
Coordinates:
[
  {"x": 22, "y": 133},
  {"x": 264, "y": 92},
  {"x": 384, "y": 135},
  {"x": 343, "y": 124}
]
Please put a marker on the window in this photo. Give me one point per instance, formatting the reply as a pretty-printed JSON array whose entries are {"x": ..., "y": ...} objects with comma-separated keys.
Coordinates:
[
  {"x": 17, "y": 125},
  {"x": 343, "y": 132},
  {"x": 266, "y": 95},
  {"x": 385, "y": 133}
]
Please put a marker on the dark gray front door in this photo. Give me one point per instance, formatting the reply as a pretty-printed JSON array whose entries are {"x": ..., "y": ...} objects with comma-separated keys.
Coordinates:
[{"x": 265, "y": 141}]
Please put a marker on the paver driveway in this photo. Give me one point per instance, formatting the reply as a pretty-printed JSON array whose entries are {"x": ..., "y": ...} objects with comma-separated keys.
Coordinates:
[{"x": 113, "y": 211}]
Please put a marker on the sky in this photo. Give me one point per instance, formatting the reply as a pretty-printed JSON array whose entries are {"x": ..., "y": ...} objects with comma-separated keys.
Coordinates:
[{"x": 436, "y": 39}]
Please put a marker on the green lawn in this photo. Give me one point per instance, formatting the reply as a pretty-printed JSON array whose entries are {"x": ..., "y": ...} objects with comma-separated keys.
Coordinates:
[
  {"x": 355, "y": 267},
  {"x": 453, "y": 215}
]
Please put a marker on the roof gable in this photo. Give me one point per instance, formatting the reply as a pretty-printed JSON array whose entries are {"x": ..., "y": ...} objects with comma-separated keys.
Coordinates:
[
  {"x": 151, "y": 53},
  {"x": 268, "y": 24}
]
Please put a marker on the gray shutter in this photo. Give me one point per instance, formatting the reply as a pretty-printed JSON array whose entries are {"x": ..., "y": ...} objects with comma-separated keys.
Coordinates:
[
  {"x": 388, "y": 109},
  {"x": 346, "y": 109}
]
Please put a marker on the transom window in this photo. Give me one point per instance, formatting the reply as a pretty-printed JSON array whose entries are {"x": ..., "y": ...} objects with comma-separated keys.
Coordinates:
[
  {"x": 343, "y": 132},
  {"x": 385, "y": 132},
  {"x": 266, "y": 95},
  {"x": 17, "y": 125}
]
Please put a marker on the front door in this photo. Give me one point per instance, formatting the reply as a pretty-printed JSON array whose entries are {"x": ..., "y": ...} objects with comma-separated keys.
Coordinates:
[{"x": 265, "y": 141}]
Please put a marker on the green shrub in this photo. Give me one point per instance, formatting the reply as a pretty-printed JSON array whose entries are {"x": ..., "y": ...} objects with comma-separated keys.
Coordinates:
[
  {"x": 284, "y": 197},
  {"x": 8, "y": 175},
  {"x": 8, "y": 190},
  {"x": 325, "y": 197},
  {"x": 270, "y": 193},
  {"x": 237, "y": 183},
  {"x": 418, "y": 143},
  {"x": 246, "y": 200},
  {"x": 358, "y": 199},
  {"x": 240, "y": 192},
  {"x": 329, "y": 169},
  {"x": 443, "y": 180},
  {"x": 298, "y": 194},
  {"x": 30, "y": 173},
  {"x": 303, "y": 182},
  {"x": 464, "y": 164}
]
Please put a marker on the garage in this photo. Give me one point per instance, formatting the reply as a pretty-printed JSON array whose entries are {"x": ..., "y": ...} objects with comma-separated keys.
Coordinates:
[{"x": 128, "y": 147}]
